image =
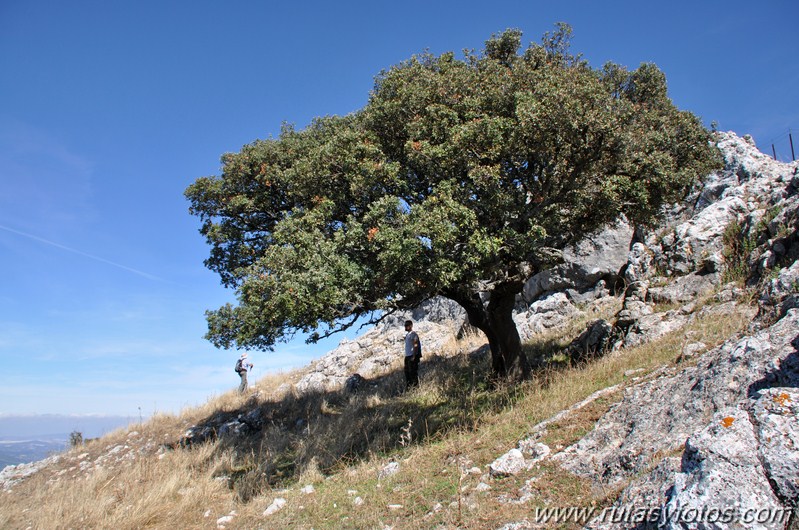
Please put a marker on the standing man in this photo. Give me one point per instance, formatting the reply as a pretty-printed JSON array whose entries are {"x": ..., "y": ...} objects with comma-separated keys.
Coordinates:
[
  {"x": 413, "y": 354},
  {"x": 242, "y": 366}
]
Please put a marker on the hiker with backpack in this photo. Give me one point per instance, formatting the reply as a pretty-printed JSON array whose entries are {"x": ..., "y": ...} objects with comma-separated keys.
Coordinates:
[
  {"x": 243, "y": 365},
  {"x": 413, "y": 354}
]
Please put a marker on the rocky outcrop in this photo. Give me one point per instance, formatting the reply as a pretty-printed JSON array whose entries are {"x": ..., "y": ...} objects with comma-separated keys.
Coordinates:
[
  {"x": 735, "y": 418},
  {"x": 781, "y": 293},
  {"x": 684, "y": 289},
  {"x": 546, "y": 313},
  {"x": 733, "y": 415},
  {"x": 775, "y": 415},
  {"x": 752, "y": 200},
  {"x": 600, "y": 256},
  {"x": 658, "y": 416},
  {"x": 11, "y": 475},
  {"x": 740, "y": 471},
  {"x": 749, "y": 182},
  {"x": 721, "y": 469}
]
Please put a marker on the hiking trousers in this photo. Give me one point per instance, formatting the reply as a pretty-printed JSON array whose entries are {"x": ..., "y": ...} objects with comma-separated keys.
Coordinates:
[{"x": 411, "y": 371}]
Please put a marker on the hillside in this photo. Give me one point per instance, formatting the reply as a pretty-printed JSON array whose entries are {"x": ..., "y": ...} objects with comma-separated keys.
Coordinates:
[{"x": 665, "y": 391}]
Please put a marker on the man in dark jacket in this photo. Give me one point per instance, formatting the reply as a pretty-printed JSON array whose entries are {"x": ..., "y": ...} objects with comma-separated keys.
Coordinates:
[{"x": 413, "y": 354}]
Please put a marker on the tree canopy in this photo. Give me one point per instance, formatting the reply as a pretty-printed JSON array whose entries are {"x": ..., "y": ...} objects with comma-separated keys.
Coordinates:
[{"x": 459, "y": 177}]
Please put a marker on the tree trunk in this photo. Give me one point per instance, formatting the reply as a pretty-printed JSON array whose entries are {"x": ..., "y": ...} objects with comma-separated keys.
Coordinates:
[
  {"x": 507, "y": 358},
  {"x": 495, "y": 320}
]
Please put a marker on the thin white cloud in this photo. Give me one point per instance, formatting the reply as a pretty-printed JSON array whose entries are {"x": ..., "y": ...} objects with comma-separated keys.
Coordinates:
[
  {"x": 81, "y": 253},
  {"x": 43, "y": 179}
]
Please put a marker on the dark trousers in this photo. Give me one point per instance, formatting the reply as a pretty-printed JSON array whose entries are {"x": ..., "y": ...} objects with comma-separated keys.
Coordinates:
[{"x": 411, "y": 371}]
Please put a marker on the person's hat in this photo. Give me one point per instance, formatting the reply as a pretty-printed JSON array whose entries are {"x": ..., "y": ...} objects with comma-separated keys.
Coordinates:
[{"x": 243, "y": 355}]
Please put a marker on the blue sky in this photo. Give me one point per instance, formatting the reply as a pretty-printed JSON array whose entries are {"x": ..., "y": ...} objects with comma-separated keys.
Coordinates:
[{"x": 110, "y": 109}]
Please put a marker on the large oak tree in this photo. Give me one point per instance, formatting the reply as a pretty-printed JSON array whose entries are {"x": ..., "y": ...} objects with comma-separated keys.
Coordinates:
[{"x": 460, "y": 177}]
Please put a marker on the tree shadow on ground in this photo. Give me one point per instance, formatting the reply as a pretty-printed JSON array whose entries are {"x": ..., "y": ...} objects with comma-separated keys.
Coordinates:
[{"x": 276, "y": 440}]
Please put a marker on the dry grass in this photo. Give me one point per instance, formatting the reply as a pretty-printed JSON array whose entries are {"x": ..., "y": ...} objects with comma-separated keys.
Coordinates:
[
  {"x": 150, "y": 491},
  {"x": 439, "y": 434}
]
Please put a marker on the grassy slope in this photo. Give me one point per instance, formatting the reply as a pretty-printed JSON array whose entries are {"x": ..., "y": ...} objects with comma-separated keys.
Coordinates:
[{"x": 439, "y": 434}]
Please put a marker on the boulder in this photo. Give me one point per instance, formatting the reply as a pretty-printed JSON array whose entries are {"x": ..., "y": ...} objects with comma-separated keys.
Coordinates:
[
  {"x": 546, "y": 313},
  {"x": 596, "y": 339},
  {"x": 685, "y": 288},
  {"x": 749, "y": 182},
  {"x": 599, "y": 255},
  {"x": 511, "y": 463}
]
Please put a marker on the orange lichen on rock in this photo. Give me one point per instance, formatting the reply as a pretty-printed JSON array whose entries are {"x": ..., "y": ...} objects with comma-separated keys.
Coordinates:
[{"x": 782, "y": 400}]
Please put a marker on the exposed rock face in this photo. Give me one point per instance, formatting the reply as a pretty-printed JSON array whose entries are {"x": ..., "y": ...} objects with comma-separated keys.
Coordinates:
[
  {"x": 775, "y": 414},
  {"x": 684, "y": 289},
  {"x": 599, "y": 256},
  {"x": 685, "y": 249},
  {"x": 721, "y": 469},
  {"x": 439, "y": 310},
  {"x": 753, "y": 193},
  {"x": 740, "y": 471},
  {"x": 546, "y": 313},
  {"x": 780, "y": 294},
  {"x": 11, "y": 475},
  {"x": 658, "y": 416},
  {"x": 734, "y": 413},
  {"x": 749, "y": 180}
]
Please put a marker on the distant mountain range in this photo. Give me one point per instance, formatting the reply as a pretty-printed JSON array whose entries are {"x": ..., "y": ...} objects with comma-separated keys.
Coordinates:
[
  {"x": 30, "y": 438},
  {"x": 13, "y": 452}
]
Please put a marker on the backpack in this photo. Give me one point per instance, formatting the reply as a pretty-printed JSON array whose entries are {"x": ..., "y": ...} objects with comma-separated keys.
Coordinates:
[{"x": 238, "y": 366}]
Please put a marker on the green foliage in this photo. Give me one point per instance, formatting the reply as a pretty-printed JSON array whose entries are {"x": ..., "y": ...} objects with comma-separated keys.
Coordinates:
[
  {"x": 737, "y": 249},
  {"x": 457, "y": 176},
  {"x": 740, "y": 242}
]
